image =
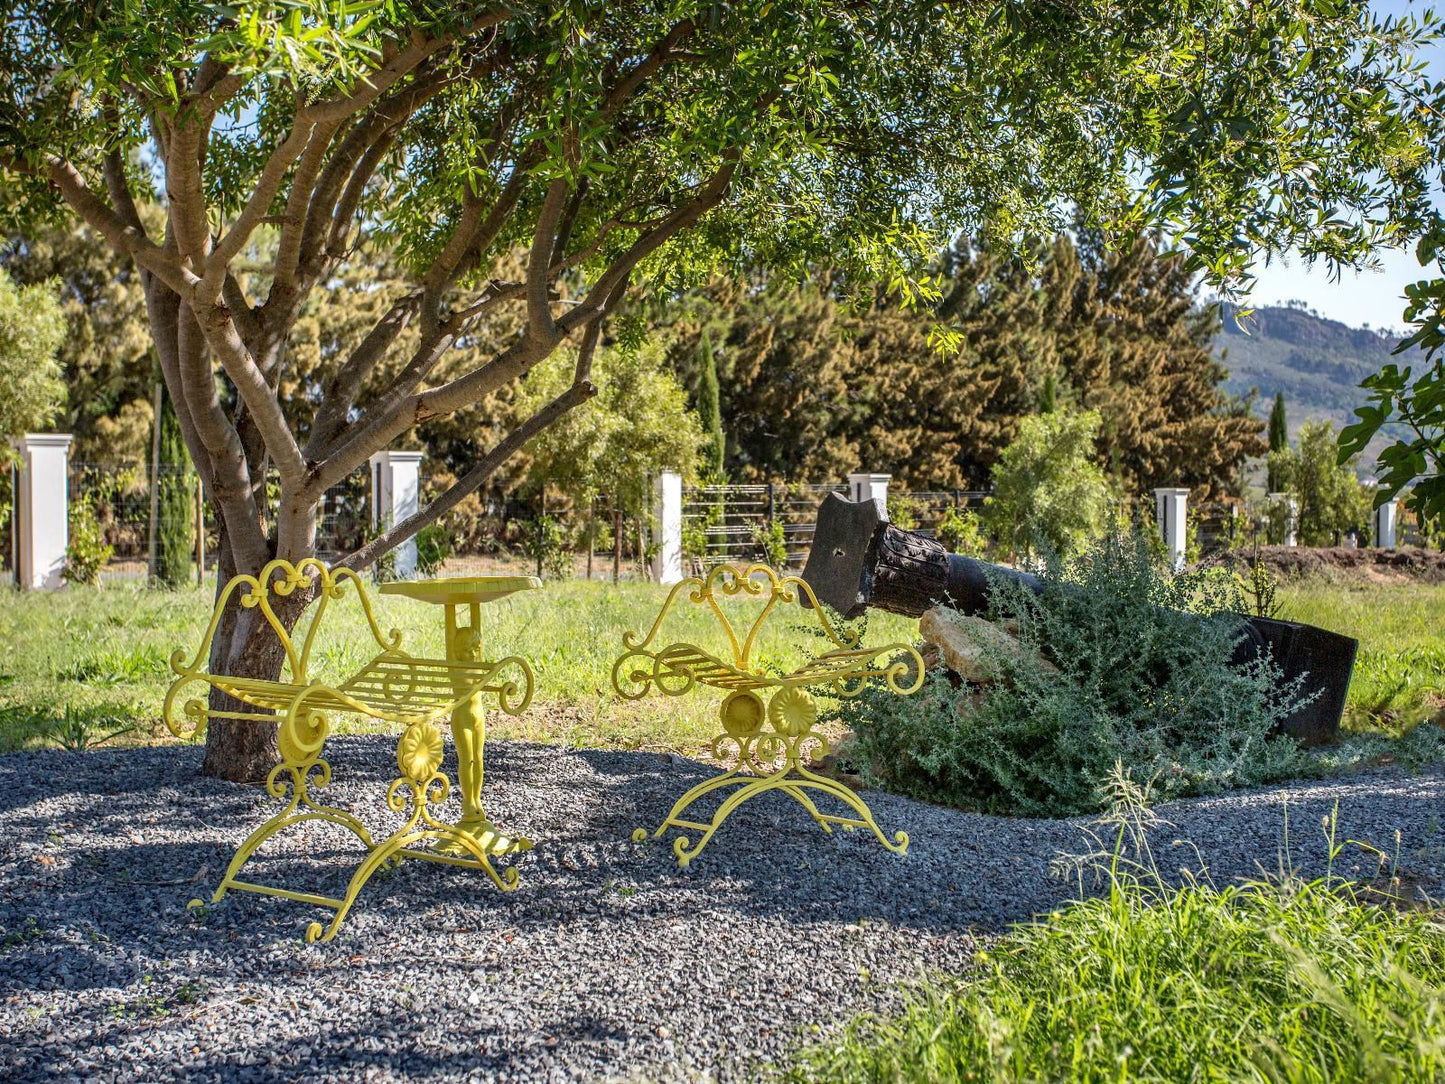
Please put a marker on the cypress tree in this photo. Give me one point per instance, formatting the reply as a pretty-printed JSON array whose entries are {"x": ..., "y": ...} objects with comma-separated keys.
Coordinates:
[
  {"x": 175, "y": 539},
  {"x": 1278, "y": 430},
  {"x": 1278, "y": 438},
  {"x": 1048, "y": 399},
  {"x": 709, "y": 409}
]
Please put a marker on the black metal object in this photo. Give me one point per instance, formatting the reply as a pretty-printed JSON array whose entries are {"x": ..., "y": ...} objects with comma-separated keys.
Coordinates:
[{"x": 859, "y": 559}]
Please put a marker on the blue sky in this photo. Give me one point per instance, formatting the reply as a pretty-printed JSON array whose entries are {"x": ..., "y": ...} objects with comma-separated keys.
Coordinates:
[{"x": 1369, "y": 297}]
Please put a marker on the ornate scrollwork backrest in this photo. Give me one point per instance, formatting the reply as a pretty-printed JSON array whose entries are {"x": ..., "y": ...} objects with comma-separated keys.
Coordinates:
[
  {"x": 730, "y": 581},
  {"x": 281, "y": 578}
]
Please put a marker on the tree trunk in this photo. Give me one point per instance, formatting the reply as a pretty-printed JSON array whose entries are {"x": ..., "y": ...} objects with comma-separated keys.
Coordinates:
[{"x": 245, "y": 750}]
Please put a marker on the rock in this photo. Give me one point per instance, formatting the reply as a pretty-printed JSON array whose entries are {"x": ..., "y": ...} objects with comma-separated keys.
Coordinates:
[{"x": 964, "y": 642}]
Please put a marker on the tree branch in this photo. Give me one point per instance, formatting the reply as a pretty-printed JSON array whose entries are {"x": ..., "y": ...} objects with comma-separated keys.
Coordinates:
[
  {"x": 540, "y": 326},
  {"x": 341, "y": 390},
  {"x": 470, "y": 482},
  {"x": 255, "y": 391},
  {"x": 125, "y": 239}
]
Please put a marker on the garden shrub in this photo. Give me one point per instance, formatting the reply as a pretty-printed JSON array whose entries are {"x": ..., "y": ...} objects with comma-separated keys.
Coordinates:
[
  {"x": 87, "y": 551},
  {"x": 1143, "y": 679},
  {"x": 961, "y": 532},
  {"x": 434, "y": 545},
  {"x": 771, "y": 542}
]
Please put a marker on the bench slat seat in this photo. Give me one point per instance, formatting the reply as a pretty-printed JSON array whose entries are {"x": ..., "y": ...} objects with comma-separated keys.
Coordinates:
[{"x": 398, "y": 689}]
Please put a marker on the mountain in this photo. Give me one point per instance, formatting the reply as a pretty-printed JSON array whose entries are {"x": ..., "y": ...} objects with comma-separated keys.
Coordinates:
[{"x": 1318, "y": 363}]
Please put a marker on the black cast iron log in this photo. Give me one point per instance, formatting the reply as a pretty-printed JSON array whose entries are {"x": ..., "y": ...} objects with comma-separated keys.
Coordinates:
[{"x": 858, "y": 559}]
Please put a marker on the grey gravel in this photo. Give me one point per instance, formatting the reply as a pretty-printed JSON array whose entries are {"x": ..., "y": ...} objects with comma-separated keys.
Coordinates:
[{"x": 608, "y": 964}]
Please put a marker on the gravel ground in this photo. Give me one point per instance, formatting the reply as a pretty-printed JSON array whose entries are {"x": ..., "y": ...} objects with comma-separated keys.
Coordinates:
[{"x": 608, "y": 964}]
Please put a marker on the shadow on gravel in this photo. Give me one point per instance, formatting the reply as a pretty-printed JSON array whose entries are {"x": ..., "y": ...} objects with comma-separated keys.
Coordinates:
[{"x": 105, "y": 836}]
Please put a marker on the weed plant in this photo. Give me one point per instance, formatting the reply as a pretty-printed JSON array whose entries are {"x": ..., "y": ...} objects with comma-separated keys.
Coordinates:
[
  {"x": 1276, "y": 980},
  {"x": 1121, "y": 663}
]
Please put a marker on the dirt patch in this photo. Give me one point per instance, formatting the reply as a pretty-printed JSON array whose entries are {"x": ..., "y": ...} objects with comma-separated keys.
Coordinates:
[{"x": 1411, "y": 564}]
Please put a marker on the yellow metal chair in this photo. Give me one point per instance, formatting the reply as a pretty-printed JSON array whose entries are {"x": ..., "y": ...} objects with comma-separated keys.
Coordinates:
[
  {"x": 763, "y": 731},
  {"x": 394, "y": 687}
]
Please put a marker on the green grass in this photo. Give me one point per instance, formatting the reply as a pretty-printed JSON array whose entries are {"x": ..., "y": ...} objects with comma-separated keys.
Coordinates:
[
  {"x": 103, "y": 652},
  {"x": 1272, "y": 981},
  {"x": 1400, "y": 670}
]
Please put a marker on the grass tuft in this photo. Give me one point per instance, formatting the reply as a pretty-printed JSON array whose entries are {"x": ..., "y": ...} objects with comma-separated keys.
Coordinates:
[{"x": 1294, "y": 981}]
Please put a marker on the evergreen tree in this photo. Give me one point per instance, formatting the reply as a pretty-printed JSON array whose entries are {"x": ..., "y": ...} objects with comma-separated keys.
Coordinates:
[
  {"x": 1278, "y": 440},
  {"x": 714, "y": 444},
  {"x": 815, "y": 388},
  {"x": 1048, "y": 399},
  {"x": 1137, "y": 347},
  {"x": 1278, "y": 430},
  {"x": 175, "y": 529}
]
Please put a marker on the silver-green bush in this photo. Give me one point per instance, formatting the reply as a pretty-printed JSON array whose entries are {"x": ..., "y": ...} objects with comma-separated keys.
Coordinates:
[{"x": 1143, "y": 679}]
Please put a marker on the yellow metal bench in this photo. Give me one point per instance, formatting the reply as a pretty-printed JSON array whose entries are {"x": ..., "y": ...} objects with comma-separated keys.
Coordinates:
[
  {"x": 763, "y": 731},
  {"x": 394, "y": 687}
]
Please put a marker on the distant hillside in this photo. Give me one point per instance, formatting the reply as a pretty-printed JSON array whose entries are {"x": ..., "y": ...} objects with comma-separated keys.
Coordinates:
[{"x": 1317, "y": 363}]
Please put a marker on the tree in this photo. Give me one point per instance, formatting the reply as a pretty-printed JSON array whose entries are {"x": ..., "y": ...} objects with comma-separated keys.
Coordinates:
[
  {"x": 714, "y": 451},
  {"x": 638, "y": 425},
  {"x": 106, "y": 356},
  {"x": 1049, "y": 493},
  {"x": 1278, "y": 436},
  {"x": 1331, "y": 499},
  {"x": 1136, "y": 345},
  {"x": 1415, "y": 461},
  {"x": 639, "y": 148},
  {"x": 175, "y": 528},
  {"x": 814, "y": 388},
  {"x": 1049, "y": 397},
  {"x": 32, "y": 328}
]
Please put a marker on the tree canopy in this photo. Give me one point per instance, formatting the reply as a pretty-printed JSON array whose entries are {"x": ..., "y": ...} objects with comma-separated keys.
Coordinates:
[
  {"x": 651, "y": 144},
  {"x": 624, "y": 148},
  {"x": 32, "y": 328}
]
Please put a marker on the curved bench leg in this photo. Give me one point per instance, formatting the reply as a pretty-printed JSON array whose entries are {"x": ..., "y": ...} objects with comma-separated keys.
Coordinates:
[
  {"x": 793, "y": 780},
  {"x": 420, "y": 828},
  {"x": 299, "y": 809},
  {"x": 674, "y": 817},
  {"x": 899, "y": 843}
]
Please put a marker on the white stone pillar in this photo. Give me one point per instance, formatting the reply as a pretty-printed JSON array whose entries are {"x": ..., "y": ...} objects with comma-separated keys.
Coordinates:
[
  {"x": 395, "y": 495},
  {"x": 667, "y": 510},
  {"x": 42, "y": 510},
  {"x": 1385, "y": 526},
  {"x": 1170, "y": 512},
  {"x": 1291, "y": 519},
  {"x": 870, "y": 487}
]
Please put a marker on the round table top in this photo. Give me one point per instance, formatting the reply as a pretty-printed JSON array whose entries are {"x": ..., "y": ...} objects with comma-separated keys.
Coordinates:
[{"x": 461, "y": 589}]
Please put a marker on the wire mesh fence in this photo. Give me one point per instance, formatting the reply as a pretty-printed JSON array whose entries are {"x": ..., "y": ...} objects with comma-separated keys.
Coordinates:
[
  {"x": 556, "y": 537},
  {"x": 775, "y": 522}
]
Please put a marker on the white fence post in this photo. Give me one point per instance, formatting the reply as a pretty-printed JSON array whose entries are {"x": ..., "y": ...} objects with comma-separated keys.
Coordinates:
[
  {"x": 870, "y": 487},
  {"x": 395, "y": 495},
  {"x": 1170, "y": 511},
  {"x": 667, "y": 508},
  {"x": 1385, "y": 526},
  {"x": 42, "y": 510},
  {"x": 1291, "y": 520}
]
